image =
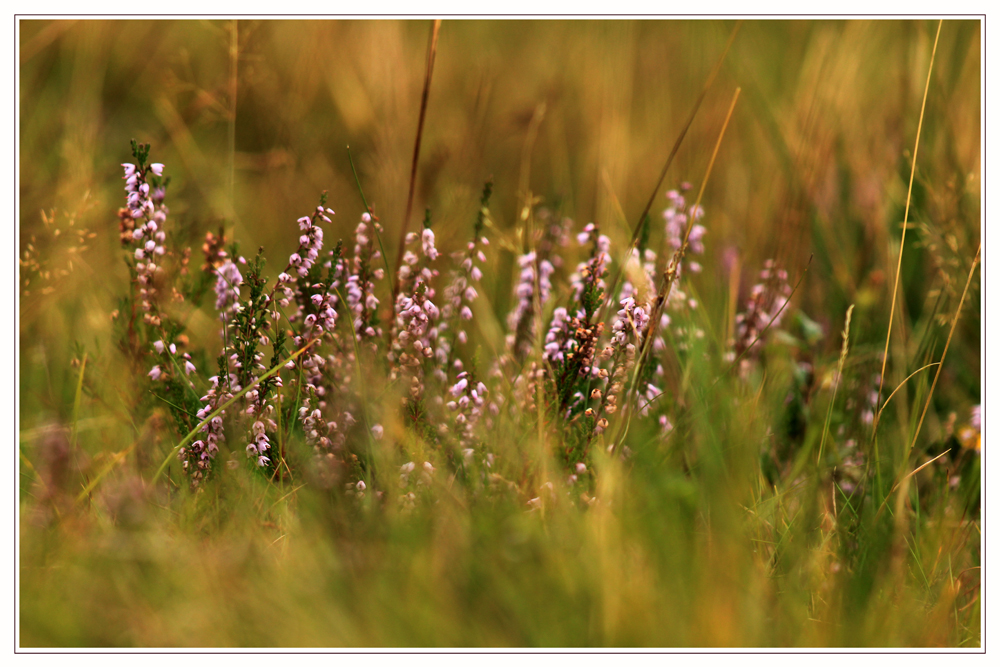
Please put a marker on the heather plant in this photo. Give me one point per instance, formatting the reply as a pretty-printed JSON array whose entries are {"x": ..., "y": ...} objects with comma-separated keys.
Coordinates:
[{"x": 532, "y": 421}]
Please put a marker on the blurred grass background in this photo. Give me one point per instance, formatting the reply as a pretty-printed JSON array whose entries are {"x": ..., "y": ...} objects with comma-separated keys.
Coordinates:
[{"x": 580, "y": 114}]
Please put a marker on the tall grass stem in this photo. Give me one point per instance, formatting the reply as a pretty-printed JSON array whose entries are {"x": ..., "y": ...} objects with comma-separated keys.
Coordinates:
[
  {"x": 431, "y": 54},
  {"x": 906, "y": 218}
]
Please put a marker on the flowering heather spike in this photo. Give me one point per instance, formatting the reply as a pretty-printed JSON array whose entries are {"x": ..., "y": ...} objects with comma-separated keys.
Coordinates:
[
  {"x": 627, "y": 332},
  {"x": 227, "y": 289},
  {"x": 214, "y": 250},
  {"x": 468, "y": 398},
  {"x": 521, "y": 321},
  {"x": 196, "y": 459},
  {"x": 588, "y": 280},
  {"x": 148, "y": 215},
  {"x": 427, "y": 241},
  {"x": 764, "y": 308},
  {"x": 558, "y": 337},
  {"x": 361, "y": 300},
  {"x": 460, "y": 294},
  {"x": 413, "y": 346}
]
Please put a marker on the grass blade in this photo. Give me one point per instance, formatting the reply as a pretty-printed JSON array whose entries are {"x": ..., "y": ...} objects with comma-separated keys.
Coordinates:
[
  {"x": 190, "y": 436},
  {"x": 906, "y": 218}
]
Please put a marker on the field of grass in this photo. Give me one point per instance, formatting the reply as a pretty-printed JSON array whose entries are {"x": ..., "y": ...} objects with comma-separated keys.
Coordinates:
[{"x": 713, "y": 440}]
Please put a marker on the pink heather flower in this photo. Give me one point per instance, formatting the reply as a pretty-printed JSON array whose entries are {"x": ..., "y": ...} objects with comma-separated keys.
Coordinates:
[
  {"x": 377, "y": 431},
  {"x": 156, "y": 168},
  {"x": 764, "y": 309},
  {"x": 155, "y": 373},
  {"x": 227, "y": 288},
  {"x": 558, "y": 334},
  {"x": 427, "y": 240},
  {"x": 459, "y": 387},
  {"x": 158, "y": 346}
]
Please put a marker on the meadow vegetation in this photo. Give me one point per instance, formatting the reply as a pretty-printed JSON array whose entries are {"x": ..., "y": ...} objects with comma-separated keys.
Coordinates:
[{"x": 275, "y": 392}]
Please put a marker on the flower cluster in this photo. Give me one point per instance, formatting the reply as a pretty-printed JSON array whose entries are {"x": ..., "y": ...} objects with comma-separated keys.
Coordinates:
[
  {"x": 196, "y": 459},
  {"x": 677, "y": 220},
  {"x": 169, "y": 354},
  {"x": 521, "y": 321},
  {"x": 331, "y": 391},
  {"x": 415, "y": 311},
  {"x": 140, "y": 204},
  {"x": 630, "y": 324},
  {"x": 227, "y": 288},
  {"x": 310, "y": 241},
  {"x": 147, "y": 237},
  {"x": 764, "y": 310},
  {"x": 459, "y": 297},
  {"x": 468, "y": 401},
  {"x": 361, "y": 299},
  {"x": 589, "y": 275}
]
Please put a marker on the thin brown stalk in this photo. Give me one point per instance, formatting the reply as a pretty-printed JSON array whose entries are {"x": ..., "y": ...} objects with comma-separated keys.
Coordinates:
[
  {"x": 431, "y": 53},
  {"x": 906, "y": 218},
  {"x": 901, "y": 384},
  {"x": 671, "y": 273},
  {"x": 673, "y": 151},
  {"x": 840, "y": 372},
  {"x": 954, "y": 323},
  {"x": 759, "y": 336},
  {"x": 908, "y": 476}
]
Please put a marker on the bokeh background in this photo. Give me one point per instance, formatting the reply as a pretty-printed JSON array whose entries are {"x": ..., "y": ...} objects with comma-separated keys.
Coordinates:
[{"x": 253, "y": 120}]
